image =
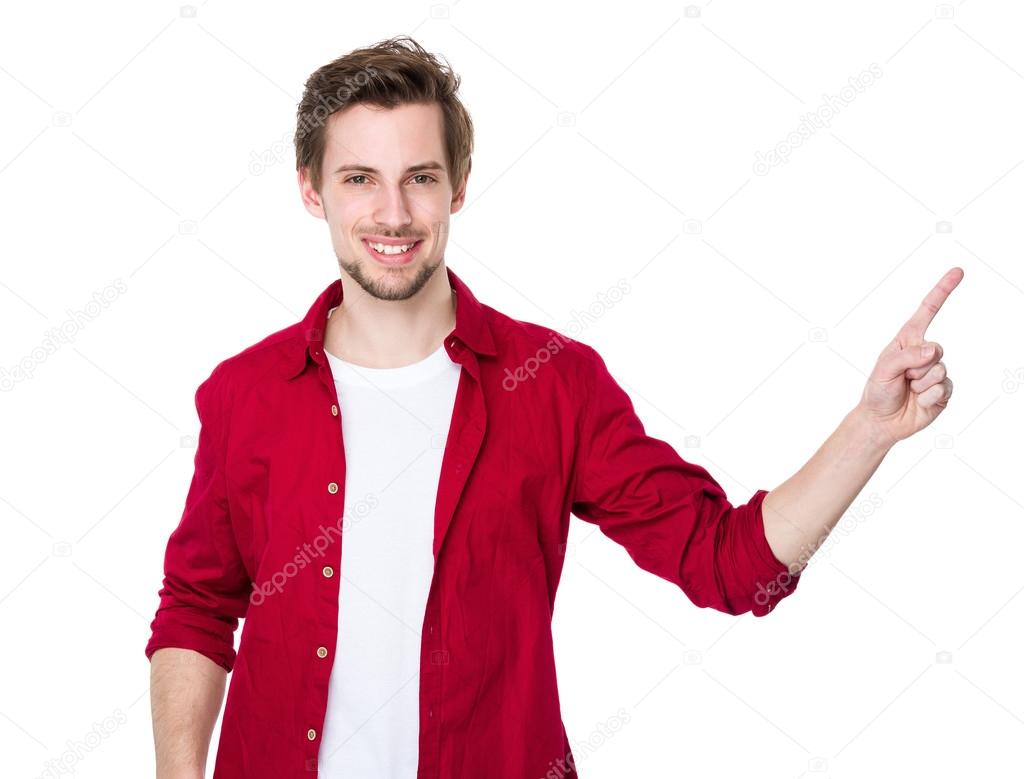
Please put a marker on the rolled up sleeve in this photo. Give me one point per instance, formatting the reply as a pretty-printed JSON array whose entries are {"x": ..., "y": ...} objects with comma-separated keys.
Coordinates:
[
  {"x": 670, "y": 515},
  {"x": 205, "y": 586}
]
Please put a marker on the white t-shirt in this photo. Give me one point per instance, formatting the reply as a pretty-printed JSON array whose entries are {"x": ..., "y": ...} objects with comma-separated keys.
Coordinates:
[{"x": 395, "y": 425}]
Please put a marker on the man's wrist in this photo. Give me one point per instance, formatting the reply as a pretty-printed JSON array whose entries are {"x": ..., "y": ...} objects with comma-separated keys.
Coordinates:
[{"x": 867, "y": 434}]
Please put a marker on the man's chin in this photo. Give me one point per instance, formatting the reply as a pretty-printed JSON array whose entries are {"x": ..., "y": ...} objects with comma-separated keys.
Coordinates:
[{"x": 390, "y": 283}]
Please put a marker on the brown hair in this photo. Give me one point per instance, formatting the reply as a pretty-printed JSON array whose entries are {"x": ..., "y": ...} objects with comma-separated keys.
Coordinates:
[{"x": 388, "y": 74}]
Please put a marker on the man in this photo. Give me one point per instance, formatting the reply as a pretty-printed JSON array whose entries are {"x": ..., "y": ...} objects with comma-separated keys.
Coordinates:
[{"x": 383, "y": 489}]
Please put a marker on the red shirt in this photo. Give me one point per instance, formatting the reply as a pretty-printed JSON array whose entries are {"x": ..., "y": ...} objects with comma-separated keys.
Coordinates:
[{"x": 540, "y": 429}]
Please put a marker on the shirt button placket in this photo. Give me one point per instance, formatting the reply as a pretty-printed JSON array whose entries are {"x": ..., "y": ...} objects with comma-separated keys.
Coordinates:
[{"x": 328, "y": 572}]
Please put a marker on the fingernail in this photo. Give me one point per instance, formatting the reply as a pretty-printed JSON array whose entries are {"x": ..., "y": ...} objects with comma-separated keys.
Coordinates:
[{"x": 927, "y": 351}]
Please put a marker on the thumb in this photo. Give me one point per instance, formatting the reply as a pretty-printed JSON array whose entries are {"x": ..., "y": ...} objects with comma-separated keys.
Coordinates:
[{"x": 895, "y": 364}]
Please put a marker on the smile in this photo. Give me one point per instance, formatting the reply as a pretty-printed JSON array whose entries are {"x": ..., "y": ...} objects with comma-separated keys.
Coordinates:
[{"x": 392, "y": 254}]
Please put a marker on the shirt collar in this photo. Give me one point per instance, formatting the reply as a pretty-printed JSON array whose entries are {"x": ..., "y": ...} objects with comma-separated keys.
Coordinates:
[{"x": 471, "y": 325}]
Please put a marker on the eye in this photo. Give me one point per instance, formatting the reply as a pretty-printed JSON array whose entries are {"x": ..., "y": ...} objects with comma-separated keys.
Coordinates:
[
  {"x": 357, "y": 176},
  {"x": 424, "y": 175}
]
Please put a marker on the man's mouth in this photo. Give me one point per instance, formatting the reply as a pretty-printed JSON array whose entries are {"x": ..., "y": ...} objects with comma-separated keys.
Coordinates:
[{"x": 392, "y": 253}]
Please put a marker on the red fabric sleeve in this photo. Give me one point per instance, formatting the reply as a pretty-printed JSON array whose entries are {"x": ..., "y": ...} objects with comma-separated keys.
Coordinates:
[
  {"x": 205, "y": 587},
  {"x": 670, "y": 515}
]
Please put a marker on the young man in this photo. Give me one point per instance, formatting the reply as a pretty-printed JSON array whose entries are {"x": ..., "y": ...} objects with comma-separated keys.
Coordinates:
[{"x": 383, "y": 489}]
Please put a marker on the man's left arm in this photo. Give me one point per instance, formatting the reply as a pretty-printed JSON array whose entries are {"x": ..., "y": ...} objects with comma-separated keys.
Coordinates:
[{"x": 907, "y": 389}]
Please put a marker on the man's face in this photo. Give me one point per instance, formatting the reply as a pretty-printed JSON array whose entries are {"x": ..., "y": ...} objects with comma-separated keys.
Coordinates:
[{"x": 385, "y": 180}]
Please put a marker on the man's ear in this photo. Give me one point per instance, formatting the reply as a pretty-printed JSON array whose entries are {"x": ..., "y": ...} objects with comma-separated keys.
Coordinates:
[
  {"x": 459, "y": 196},
  {"x": 310, "y": 197}
]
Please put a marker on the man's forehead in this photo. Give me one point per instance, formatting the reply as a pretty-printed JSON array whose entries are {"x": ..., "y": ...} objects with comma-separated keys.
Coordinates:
[{"x": 362, "y": 135}]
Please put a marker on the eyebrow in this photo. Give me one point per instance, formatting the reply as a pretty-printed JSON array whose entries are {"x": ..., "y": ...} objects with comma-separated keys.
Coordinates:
[{"x": 431, "y": 165}]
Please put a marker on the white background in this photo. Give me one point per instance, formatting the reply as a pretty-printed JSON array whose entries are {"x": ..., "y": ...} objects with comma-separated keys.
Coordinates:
[{"x": 614, "y": 141}]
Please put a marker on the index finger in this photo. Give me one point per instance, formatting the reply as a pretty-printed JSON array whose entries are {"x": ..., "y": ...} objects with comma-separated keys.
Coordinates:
[{"x": 915, "y": 327}]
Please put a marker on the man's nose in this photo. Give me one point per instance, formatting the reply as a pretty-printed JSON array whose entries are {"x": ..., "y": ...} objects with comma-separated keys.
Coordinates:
[{"x": 392, "y": 206}]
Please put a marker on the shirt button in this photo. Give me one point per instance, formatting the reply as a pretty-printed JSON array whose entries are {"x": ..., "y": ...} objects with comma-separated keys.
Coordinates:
[
  {"x": 311, "y": 734},
  {"x": 332, "y": 487},
  {"x": 430, "y": 630},
  {"x": 328, "y": 571},
  {"x": 321, "y": 651},
  {"x": 430, "y": 713},
  {"x": 334, "y": 410}
]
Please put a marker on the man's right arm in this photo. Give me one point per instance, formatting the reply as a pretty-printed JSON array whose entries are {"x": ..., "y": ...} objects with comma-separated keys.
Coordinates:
[
  {"x": 205, "y": 592},
  {"x": 186, "y": 692}
]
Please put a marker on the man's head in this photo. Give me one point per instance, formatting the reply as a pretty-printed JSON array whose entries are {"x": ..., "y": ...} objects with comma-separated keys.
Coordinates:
[{"x": 383, "y": 152}]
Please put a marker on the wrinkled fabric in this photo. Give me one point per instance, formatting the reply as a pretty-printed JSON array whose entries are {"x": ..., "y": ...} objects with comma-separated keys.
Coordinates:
[{"x": 540, "y": 430}]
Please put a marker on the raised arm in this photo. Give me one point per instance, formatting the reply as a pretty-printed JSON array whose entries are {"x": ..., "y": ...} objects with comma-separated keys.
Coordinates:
[{"x": 907, "y": 389}]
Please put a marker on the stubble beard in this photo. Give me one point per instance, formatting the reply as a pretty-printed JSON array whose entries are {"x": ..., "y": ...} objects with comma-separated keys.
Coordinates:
[{"x": 389, "y": 286}]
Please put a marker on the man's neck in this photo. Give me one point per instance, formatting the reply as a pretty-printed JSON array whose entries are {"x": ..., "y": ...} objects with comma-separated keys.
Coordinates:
[{"x": 375, "y": 333}]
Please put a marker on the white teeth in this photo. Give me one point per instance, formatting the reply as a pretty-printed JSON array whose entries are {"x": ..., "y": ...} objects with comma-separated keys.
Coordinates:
[{"x": 385, "y": 249}]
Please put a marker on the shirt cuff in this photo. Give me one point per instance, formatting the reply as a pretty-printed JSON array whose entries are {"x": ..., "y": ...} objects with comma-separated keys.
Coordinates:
[
  {"x": 192, "y": 634},
  {"x": 774, "y": 580}
]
